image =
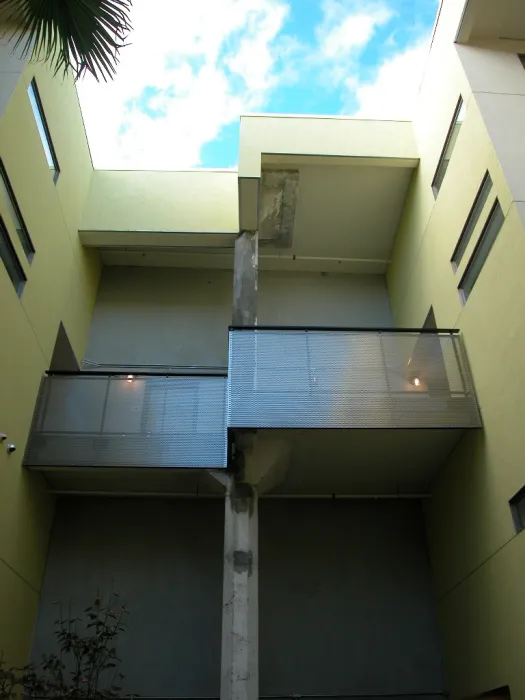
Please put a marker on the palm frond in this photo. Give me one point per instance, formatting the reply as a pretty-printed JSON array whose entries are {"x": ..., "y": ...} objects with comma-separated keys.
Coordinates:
[{"x": 72, "y": 35}]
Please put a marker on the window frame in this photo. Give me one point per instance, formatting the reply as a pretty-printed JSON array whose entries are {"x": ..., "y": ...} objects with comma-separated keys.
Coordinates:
[
  {"x": 457, "y": 111},
  {"x": 19, "y": 284},
  {"x": 479, "y": 242},
  {"x": 466, "y": 234},
  {"x": 54, "y": 165},
  {"x": 23, "y": 233}
]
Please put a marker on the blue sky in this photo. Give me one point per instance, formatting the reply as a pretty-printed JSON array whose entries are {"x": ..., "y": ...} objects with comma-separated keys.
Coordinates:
[{"x": 183, "y": 82}]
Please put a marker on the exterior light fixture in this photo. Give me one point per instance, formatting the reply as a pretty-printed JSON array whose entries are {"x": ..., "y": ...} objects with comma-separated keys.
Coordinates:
[
  {"x": 416, "y": 381},
  {"x": 129, "y": 378}
]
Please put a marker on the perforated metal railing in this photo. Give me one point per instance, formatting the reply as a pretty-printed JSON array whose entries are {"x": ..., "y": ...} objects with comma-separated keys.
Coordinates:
[
  {"x": 348, "y": 378},
  {"x": 96, "y": 420}
]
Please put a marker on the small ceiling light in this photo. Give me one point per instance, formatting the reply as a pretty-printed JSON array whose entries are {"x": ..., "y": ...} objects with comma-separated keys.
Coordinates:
[
  {"x": 416, "y": 381},
  {"x": 130, "y": 378}
]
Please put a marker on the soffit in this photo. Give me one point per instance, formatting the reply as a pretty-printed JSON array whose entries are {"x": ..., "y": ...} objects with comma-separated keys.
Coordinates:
[
  {"x": 489, "y": 19},
  {"x": 345, "y": 216},
  {"x": 366, "y": 461},
  {"x": 320, "y": 462}
]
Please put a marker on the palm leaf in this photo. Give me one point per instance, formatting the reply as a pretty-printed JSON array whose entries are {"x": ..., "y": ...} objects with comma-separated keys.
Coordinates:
[{"x": 77, "y": 35}]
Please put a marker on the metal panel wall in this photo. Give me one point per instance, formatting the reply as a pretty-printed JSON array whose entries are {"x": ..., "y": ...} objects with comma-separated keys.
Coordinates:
[
  {"x": 298, "y": 378},
  {"x": 115, "y": 421}
]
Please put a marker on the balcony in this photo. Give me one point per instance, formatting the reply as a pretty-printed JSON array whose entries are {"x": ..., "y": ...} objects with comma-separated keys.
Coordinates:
[
  {"x": 141, "y": 423},
  {"x": 354, "y": 411},
  {"x": 334, "y": 378},
  {"x": 363, "y": 410}
]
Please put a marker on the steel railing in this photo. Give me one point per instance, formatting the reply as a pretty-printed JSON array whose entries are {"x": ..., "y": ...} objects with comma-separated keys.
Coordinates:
[
  {"x": 289, "y": 377},
  {"x": 122, "y": 420}
]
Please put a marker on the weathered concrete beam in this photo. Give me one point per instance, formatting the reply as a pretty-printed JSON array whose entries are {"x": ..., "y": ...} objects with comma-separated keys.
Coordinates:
[
  {"x": 278, "y": 203},
  {"x": 245, "y": 279}
]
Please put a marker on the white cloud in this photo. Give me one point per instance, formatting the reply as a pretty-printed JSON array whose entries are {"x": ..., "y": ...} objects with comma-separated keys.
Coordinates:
[
  {"x": 203, "y": 63},
  {"x": 393, "y": 92},
  {"x": 347, "y": 27},
  {"x": 194, "y": 66},
  {"x": 254, "y": 59}
]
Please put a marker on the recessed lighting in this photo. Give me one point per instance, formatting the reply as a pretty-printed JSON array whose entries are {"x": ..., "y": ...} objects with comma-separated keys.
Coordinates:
[
  {"x": 416, "y": 381},
  {"x": 130, "y": 378}
]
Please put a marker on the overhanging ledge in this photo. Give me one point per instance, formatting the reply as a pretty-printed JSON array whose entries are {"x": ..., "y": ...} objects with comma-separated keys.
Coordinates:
[
  {"x": 287, "y": 137},
  {"x": 371, "y": 158}
]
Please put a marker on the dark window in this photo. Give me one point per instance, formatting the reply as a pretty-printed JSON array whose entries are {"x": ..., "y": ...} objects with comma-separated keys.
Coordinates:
[
  {"x": 16, "y": 215},
  {"x": 448, "y": 148},
  {"x": 521, "y": 56},
  {"x": 517, "y": 507},
  {"x": 10, "y": 260},
  {"x": 472, "y": 221},
  {"x": 482, "y": 250},
  {"x": 43, "y": 129}
]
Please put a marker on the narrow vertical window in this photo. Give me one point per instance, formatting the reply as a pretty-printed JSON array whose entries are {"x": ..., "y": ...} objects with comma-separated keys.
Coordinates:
[
  {"x": 517, "y": 508},
  {"x": 472, "y": 220},
  {"x": 10, "y": 260},
  {"x": 43, "y": 130},
  {"x": 16, "y": 215},
  {"x": 482, "y": 250},
  {"x": 448, "y": 148}
]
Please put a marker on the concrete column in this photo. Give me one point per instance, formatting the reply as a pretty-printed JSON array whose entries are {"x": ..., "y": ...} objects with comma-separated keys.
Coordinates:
[
  {"x": 262, "y": 463},
  {"x": 240, "y": 634},
  {"x": 245, "y": 279},
  {"x": 240, "y": 611}
]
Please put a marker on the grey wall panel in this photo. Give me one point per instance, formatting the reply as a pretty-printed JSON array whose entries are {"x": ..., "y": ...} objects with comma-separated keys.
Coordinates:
[
  {"x": 315, "y": 299},
  {"x": 165, "y": 559},
  {"x": 161, "y": 316},
  {"x": 180, "y": 317},
  {"x": 345, "y": 599}
]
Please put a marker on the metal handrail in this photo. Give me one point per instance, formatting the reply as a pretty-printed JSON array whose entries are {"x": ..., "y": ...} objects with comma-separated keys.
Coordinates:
[
  {"x": 349, "y": 329},
  {"x": 298, "y": 696},
  {"x": 155, "y": 365},
  {"x": 135, "y": 373}
]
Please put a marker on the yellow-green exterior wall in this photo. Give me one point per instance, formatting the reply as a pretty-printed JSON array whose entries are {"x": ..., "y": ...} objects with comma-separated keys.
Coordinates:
[
  {"x": 61, "y": 286},
  {"x": 477, "y": 559}
]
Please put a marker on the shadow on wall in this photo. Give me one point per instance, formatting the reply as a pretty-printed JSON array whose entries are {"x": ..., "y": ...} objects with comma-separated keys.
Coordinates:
[
  {"x": 164, "y": 557},
  {"x": 345, "y": 597}
]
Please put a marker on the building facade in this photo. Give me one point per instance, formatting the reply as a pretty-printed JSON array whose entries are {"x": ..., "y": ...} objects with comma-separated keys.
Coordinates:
[{"x": 278, "y": 410}]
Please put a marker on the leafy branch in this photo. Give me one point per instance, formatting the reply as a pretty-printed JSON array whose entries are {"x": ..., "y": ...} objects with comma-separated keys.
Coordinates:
[
  {"x": 87, "y": 665},
  {"x": 77, "y": 35}
]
